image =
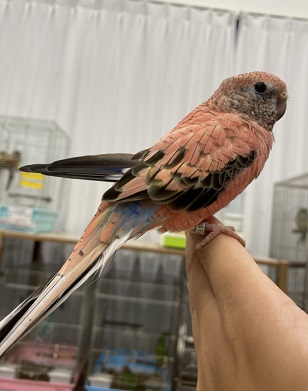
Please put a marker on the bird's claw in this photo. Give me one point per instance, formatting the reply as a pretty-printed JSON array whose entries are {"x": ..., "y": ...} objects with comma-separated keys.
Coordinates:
[{"x": 214, "y": 230}]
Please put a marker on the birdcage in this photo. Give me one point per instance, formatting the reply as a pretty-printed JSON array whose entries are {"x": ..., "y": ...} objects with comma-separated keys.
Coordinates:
[
  {"x": 135, "y": 326},
  {"x": 50, "y": 357},
  {"x": 289, "y": 233},
  {"x": 29, "y": 201},
  {"x": 47, "y": 358}
]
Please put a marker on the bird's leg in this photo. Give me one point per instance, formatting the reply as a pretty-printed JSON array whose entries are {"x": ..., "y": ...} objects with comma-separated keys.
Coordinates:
[{"x": 214, "y": 230}]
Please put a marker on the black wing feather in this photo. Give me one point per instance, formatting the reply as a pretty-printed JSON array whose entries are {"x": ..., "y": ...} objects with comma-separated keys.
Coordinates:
[{"x": 105, "y": 167}]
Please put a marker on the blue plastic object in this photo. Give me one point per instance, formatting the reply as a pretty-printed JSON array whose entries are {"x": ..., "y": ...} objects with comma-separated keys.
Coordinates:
[{"x": 27, "y": 219}]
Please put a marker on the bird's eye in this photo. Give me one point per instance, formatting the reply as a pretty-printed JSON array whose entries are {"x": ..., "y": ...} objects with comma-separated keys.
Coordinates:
[{"x": 260, "y": 87}]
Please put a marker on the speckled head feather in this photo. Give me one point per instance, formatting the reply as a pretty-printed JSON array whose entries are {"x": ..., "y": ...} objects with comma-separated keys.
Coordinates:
[{"x": 259, "y": 95}]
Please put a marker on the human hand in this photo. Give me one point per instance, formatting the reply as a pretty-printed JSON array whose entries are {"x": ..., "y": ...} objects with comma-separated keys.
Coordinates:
[{"x": 248, "y": 334}]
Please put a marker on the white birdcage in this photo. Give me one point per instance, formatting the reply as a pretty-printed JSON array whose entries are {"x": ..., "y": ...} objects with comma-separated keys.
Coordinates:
[
  {"x": 289, "y": 234},
  {"x": 29, "y": 201}
]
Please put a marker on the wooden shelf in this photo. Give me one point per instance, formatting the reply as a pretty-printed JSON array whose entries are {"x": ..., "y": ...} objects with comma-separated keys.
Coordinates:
[{"x": 138, "y": 245}]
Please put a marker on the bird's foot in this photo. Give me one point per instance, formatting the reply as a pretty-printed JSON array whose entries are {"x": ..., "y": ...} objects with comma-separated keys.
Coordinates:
[{"x": 214, "y": 230}]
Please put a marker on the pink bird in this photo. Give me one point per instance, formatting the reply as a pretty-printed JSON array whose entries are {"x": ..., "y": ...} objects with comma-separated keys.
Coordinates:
[{"x": 190, "y": 174}]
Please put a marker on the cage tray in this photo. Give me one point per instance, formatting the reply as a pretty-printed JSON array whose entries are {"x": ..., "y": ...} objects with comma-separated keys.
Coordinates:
[
  {"x": 39, "y": 367},
  {"x": 137, "y": 363}
]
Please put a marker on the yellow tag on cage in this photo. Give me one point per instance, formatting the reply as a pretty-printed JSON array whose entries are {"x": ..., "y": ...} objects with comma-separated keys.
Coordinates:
[{"x": 32, "y": 180}]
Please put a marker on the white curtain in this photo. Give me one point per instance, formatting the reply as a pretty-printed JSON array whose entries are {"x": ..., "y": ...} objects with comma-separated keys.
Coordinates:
[
  {"x": 116, "y": 74},
  {"x": 280, "y": 46}
]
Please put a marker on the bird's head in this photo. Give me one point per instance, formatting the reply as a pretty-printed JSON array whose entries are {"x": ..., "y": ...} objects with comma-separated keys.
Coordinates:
[{"x": 259, "y": 95}]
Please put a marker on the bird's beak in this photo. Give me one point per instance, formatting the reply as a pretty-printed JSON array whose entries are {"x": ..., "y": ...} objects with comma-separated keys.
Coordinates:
[{"x": 282, "y": 104}]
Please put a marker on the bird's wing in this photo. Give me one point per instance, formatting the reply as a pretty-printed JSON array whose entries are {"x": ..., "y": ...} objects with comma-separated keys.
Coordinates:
[
  {"x": 191, "y": 165},
  {"x": 105, "y": 167}
]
